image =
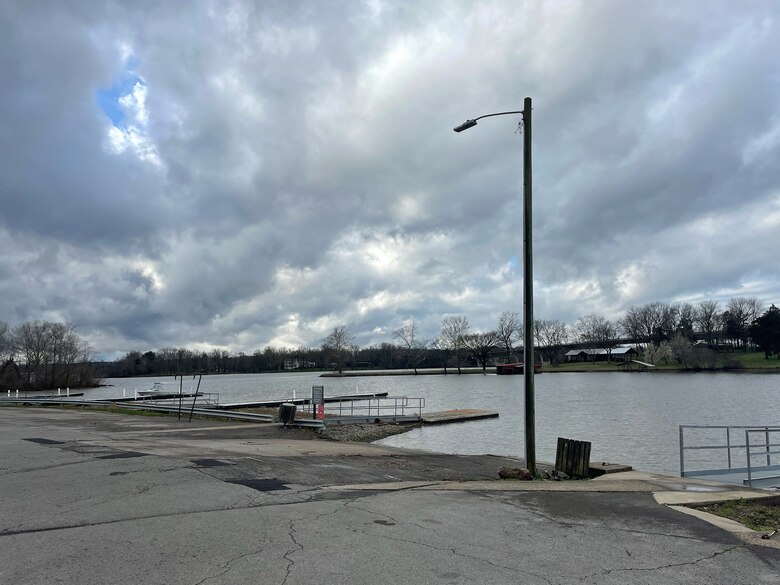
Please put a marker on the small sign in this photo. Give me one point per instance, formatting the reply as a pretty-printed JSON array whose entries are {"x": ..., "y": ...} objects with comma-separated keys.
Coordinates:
[
  {"x": 318, "y": 394},
  {"x": 320, "y": 412}
]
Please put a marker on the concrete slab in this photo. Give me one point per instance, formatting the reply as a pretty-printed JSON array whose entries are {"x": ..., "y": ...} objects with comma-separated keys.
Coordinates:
[
  {"x": 73, "y": 513},
  {"x": 604, "y": 468}
]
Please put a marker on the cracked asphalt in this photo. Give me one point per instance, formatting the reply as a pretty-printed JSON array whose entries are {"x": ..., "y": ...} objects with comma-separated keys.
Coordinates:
[{"x": 98, "y": 498}]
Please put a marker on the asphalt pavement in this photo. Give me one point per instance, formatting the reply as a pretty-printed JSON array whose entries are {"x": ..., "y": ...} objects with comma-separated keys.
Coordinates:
[{"x": 92, "y": 497}]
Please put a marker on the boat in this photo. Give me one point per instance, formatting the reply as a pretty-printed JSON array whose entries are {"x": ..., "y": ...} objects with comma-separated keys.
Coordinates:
[
  {"x": 158, "y": 390},
  {"x": 515, "y": 368}
]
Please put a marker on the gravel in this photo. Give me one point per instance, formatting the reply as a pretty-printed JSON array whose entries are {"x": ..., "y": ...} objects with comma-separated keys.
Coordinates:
[{"x": 366, "y": 433}]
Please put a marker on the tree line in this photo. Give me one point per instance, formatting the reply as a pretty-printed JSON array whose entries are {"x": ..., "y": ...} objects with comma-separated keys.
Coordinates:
[
  {"x": 44, "y": 355},
  {"x": 730, "y": 327}
]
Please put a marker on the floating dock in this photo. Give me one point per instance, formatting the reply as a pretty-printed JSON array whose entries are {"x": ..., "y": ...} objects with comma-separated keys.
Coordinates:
[
  {"x": 298, "y": 401},
  {"x": 459, "y": 415},
  {"x": 152, "y": 397}
]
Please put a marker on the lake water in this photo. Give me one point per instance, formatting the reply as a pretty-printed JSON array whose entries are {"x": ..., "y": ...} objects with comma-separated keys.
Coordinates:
[{"x": 628, "y": 417}]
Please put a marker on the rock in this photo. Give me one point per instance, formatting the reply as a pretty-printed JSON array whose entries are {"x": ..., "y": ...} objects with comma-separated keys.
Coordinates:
[
  {"x": 558, "y": 475},
  {"x": 515, "y": 473}
]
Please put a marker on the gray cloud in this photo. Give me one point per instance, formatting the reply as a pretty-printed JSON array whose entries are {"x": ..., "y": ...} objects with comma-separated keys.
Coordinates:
[{"x": 288, "y": 167}]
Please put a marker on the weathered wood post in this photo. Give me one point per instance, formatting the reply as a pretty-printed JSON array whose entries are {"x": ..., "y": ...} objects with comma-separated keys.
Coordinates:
[{"x": 573, "y": 457}]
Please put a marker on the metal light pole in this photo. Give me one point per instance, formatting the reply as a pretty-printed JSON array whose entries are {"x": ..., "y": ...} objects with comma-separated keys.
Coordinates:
[{"x": 528, "y": 282}]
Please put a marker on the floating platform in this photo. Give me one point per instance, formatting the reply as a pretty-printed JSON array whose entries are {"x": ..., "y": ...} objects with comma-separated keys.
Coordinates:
[
  {"x": 298, "y": 401},
  {"x": 460, "y": 415},
  {"x": 148, "y": 397},
  {"x": 13, "y": 397}
]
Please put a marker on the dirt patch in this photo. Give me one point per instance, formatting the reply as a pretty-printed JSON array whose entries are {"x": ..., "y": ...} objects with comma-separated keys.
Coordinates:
[{"x": 759, "y": 514}]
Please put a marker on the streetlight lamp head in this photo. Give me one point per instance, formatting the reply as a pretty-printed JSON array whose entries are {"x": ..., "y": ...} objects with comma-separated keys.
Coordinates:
[{"x": 465, "y": 126}]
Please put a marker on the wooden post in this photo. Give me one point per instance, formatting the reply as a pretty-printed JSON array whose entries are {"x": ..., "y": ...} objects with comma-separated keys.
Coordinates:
[{"x": 573, "y": 457}]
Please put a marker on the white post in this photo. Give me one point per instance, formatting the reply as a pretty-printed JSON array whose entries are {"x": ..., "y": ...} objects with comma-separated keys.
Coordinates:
[
  {"x": 135, "y": 394},
  {"x": 17, "y": 392},
  {"x": 293, "y": 393},
  {"x": 58, "y": 391},
  {"x": 68, "y": 391},
  {"x": 124, "y": 392}
]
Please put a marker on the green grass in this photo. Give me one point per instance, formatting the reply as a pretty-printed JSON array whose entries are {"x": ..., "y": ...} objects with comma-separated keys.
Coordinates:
[
  {"x": 733, "y": 361},
  {"x": 762, "y": 514}
]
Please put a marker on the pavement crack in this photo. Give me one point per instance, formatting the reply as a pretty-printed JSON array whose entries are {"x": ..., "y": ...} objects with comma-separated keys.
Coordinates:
[
  {"x": 45, "y": 467},
  {"x": 226, "y": 567},
  {"x": 290, "y": 552},
  {"x": 667, "y": 566},
  {"x": 454, "y": 552}
]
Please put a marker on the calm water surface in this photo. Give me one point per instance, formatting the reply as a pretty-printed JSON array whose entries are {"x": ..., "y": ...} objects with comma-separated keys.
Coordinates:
[{"x": 628, "y": 417}]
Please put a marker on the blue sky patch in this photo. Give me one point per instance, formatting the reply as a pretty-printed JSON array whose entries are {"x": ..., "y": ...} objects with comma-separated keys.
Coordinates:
[{"x": 108, "y": 99}]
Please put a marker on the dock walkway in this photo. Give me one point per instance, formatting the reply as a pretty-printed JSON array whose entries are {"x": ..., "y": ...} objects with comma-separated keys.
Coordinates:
[{"x": 459, "y": 415}]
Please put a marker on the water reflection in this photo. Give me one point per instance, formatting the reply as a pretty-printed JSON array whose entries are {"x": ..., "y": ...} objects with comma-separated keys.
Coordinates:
[{"x": 630, "y": 418}]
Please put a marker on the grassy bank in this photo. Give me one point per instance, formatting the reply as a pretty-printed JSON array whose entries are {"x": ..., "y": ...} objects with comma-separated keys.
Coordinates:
[{"x": 728, "y": 362}]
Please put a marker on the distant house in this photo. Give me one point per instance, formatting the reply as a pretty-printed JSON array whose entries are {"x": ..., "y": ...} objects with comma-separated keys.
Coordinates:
[
  {"x": 600, "y": 354},
  {"x": 624, "y": 354},
  {"x": 577, "y": 355}
]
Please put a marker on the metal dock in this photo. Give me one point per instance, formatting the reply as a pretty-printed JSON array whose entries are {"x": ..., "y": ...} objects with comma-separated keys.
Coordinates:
[{"x": 299, "y": 401}]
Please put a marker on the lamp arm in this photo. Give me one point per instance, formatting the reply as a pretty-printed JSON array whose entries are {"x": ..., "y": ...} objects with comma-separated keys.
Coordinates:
[{"x": 498, "y": 114}]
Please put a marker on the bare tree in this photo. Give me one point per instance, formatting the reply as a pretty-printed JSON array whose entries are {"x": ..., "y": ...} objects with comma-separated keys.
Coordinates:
[
  {"x": 414, "y": 348},
  {"x": 651, "y": 322},
  {"x": 339, "y": 342},
  {"x": 30, "y": 342},
  {"x": 481, "y": 345},
  {"x": 597, "y": 331},
  {"x": 509, "y": 332},
  {"x": 707, "y": 320},
  {"x": 754, "y": 309},
  {"x": 441, "y": 346},
  {"x": 550, "y": 336},
  {"x": 51, "y": 355},
  {"x": 453, "y": 331},
  {"x": 6, "y": 345}
]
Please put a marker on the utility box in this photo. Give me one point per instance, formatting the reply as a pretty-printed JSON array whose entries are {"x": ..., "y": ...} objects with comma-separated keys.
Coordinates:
[
  {"x": 573, "y": 457},
  {"x": 287, "y": 413}
]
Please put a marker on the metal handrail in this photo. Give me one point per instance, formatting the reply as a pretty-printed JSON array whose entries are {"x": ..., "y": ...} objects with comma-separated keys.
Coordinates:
[
  {"x": 728, "y": 446},
  {"x": 766, "y": 451},
  {"x": 385, "y": 406}
]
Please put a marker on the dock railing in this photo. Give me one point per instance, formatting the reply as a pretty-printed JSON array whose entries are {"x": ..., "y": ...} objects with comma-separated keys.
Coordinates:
[
  {"x": 728, "y": 450},
  {"x": 762, "y": 448},
  {"x": 388, "y": 407}
]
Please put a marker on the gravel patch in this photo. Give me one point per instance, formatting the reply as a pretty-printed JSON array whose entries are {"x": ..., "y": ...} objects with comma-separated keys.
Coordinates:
[{"x": 366, "y": 433}]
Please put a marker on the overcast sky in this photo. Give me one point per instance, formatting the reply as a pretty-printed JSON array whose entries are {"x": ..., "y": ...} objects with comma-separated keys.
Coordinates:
[{"x": 238, "y": 174}]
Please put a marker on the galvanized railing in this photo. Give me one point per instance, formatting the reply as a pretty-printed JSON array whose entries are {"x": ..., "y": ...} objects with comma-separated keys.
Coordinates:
[
  {"x": 729, "y": 449},
  {"x": 763, "y": 450},
  {"x": 394, "y": 407}
]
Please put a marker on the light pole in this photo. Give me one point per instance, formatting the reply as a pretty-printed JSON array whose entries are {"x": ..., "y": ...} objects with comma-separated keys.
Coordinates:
[{"x": 528, "y": 282}]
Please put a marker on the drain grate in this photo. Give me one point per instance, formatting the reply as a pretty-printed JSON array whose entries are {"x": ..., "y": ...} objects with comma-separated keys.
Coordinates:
[
  {"x": 45, "y": 441},
  {"x": 261, "y": 485}
]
